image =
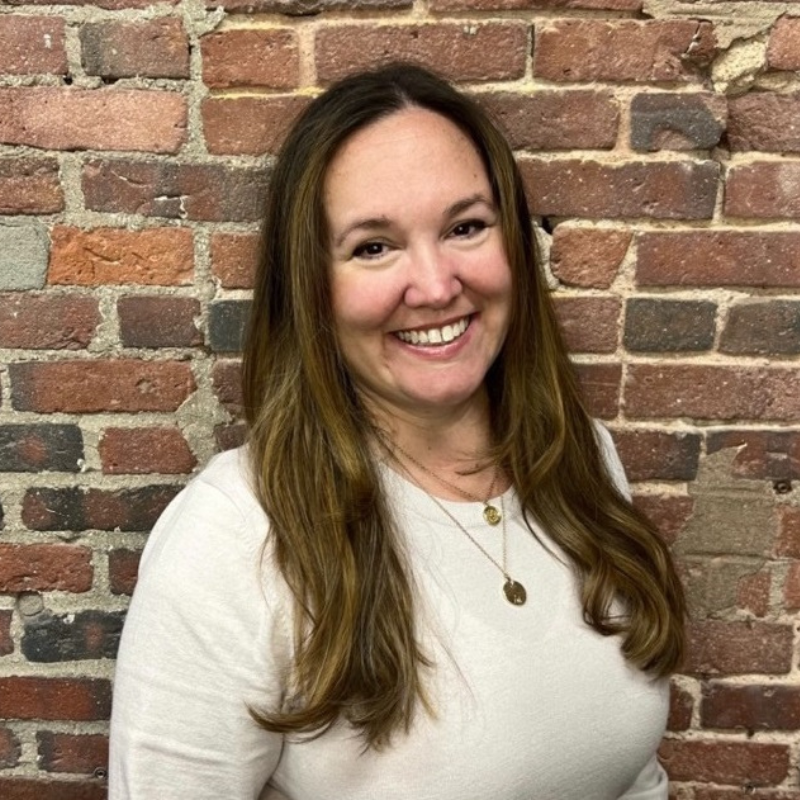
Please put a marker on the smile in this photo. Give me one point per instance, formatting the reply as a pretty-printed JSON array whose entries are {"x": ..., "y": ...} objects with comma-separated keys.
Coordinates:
[{"x": 435, "y": 336}]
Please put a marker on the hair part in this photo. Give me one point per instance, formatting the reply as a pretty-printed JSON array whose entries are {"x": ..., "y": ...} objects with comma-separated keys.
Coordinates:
[{"x": 334, "y": 540}]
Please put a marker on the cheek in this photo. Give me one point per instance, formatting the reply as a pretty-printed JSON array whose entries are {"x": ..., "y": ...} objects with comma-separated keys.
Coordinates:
[{"x": 362, "y": 303}]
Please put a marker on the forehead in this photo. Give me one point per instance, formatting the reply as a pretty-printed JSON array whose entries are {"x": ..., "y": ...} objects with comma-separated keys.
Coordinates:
[{"x": 412, "y": 150}]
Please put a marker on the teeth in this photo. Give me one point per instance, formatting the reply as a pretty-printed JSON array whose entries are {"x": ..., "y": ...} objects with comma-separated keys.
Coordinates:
[{"x": 434, "y": 336}]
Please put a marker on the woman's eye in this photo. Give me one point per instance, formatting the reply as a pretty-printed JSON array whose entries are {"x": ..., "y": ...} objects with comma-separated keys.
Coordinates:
[
  {"x": 470, "y": 228},
  {"x": 370, "y": 250}
]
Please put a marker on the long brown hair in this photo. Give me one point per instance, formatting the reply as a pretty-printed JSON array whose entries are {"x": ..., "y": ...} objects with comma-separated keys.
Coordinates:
[{"x": 356, "y": 651}]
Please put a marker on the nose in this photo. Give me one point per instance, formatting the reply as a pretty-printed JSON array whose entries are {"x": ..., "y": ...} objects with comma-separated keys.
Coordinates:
[{"x": 433, "y": 280}]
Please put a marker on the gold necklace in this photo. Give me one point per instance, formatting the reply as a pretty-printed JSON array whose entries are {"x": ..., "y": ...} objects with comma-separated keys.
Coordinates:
[
  {"x": 490, "y": 512},
  {"x": 513, "y": 590}
]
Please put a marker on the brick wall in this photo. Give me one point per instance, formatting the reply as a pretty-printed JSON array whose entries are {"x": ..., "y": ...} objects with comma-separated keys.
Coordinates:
[{"x": 659, "y": 141}]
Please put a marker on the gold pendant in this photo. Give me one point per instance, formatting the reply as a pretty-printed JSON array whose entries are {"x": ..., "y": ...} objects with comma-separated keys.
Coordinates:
[
  {"x": 515, "y": 592},
  {"x": 491, "y": 514}
]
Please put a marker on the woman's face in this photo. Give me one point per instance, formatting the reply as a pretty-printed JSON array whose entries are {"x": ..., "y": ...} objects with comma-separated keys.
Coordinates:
[{"x": 420, "y": 281}]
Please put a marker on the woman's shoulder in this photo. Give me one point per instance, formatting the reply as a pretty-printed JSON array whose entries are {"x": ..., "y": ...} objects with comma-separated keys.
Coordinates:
[{"x": 611, "y": 460}]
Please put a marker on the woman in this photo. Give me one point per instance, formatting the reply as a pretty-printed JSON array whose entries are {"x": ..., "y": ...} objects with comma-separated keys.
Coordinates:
[{"x": 423, "y": 577}]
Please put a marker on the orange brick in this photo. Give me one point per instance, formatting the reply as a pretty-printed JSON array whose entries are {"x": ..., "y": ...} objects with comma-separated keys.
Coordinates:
[{"x": 251, "y": 57}]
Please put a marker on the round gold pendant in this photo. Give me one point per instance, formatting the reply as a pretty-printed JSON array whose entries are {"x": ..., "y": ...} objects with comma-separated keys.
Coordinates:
[
  {"x": 515, "y": 592},
  {"x": 491, "y": 514}
]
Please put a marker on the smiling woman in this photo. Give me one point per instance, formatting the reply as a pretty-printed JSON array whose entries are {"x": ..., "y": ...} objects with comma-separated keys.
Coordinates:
[{"x": 423, "y": 576}]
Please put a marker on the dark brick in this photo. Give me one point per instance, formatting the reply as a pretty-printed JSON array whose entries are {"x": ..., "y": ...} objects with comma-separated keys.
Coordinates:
[
  {"x": 764, "y": 121},
  {"x": 226, "y": 377},
  {"x": 227, "y": 320},
  {"x": 753, "y": 708},
  {"x": 591, "y": 190},
  {"x": 555, "y": 120},
  {"x": 677, "y": 121},
  {"x": 10, "y": 750},
  {"x": 303, "y": 8},
  {"x": 33, "y": 448},
  {"x": 205, "y": 192},
  {"x": 46, "y": 321},
  {"x": 159, "y": 321},
  {"x": 230, "y": 436},
  {"x": 70, "y": 753},
  {"x": 600, "y": 384},
  {"x": 659, "y": 326},
  {"x": 6, "y": 642},
  {"x": 78, "y": 509},
  {"x": 33, "y": 789},
  {"x": 74, "y": 699},
  {"x": 761, "y": 455},
  {"x": 589, "y": 324},
  {"x": 123, "y": 569},
  {"x": 156, "y": 48},
  {"x": 52, "y": 637},
  {"x": 681, "y": 704},
  {"x": 658, "y": 455},
  {"x": 734, "y": 648},
  {"x": 762, "y": 327},
  {"x": 669, "y": 513}
]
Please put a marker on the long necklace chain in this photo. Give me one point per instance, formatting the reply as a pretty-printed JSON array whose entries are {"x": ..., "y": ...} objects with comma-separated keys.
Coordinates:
[
  {"x": 513, "y": 590},
  {"x": 491, "y": 513}
]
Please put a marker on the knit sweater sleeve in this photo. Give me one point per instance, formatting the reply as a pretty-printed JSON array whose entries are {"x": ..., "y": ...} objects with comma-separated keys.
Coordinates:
[{"x": 204, "y": 643}]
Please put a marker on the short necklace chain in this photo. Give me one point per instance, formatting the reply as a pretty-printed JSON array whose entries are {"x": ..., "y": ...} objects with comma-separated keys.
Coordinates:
[
  {"x": 513, "y": 590},
  {"x": 491, "y": 513}
]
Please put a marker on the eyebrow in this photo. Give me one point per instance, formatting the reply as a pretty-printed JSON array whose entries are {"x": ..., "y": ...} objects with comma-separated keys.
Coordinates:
[{"x": 377, "y": 223}]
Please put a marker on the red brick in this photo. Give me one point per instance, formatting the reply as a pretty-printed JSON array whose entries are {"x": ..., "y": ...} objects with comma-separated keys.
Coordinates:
[
  {"x": 733, "y": 763},
  {"x": 762, "y": 327},
  {"x": 206, "y": 192},
  {"x": 233, "y": 259},
  {"x": 588, "y": 257},
  {"x": 596, "y": 50},
  {"x": 153, "y": 256},
  {"x": 788, "y": 543},
  {"x": 589, "y": 189},
  {"x": 227, "y": 437},
  {"x": 681, "y": 704},
  {"x": 791, "y": 589},
  {"x": 96, "y": 386},
  {"x": 123, "y": 569},
  {"x": 555, "y": 120},
  {"x": 771, "y": 455},
  {"x": 110, "y": 5},
  {"x": 10, "y": 749},
  {"x": 658, "y": 455},
  {"x": 74, "y": 699},
  {"x": 739, "y": 648},
  {"x": 30, "y": 186},
  {"x": 745, "y": 792},
  {"x": 669, "y": 513},
  {"x": 267, "y": 57},
  {"x": 66, "y": 752},
  {"x": 89, "y": 119},
  {"x": 46, "y": 321},
  {"x": 712, "y": 392},
  {"x": 764, "y": 190},
  {"x": 753, "y": 708},
  {"x": 589, "y": 324},
  {"x": 33, "y": 789},
  {"x": 677, "y": 121},
  {"x": 600, "y": 384},
  {"x": 227, "y": 380},
  {"x": 764, "y": 121},
  {"x": 485, "y": 51},
  {"x": 32, "y": 46},
  {"x": 521, "y": 5},
  {"x": 6, "y": 647},
  {"x": 156, "y": 48},
  {"x": 159, "y": 321},
  {"x": 45, "y": 567},
  {"x": 248, "y": 125},
  {"x": 139, "y": 451},
  {"x": 753, "y": 593},
  {"x": 719, "y": 258},
  {"x": 783, "y": 51}
]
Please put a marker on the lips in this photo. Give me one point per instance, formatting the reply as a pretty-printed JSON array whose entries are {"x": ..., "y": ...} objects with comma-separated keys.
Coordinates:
[{"x": 431, "y": 337}]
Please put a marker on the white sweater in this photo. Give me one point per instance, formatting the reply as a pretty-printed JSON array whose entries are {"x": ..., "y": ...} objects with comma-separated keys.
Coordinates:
[{"x": 531, "y": 703}]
